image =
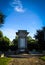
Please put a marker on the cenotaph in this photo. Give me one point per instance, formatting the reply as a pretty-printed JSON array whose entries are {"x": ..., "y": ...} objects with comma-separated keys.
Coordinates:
[{"x": 22, "y": 40}]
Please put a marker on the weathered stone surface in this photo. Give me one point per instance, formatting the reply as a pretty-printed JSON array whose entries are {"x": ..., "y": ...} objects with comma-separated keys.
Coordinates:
[{"x": 22, "y": 40}]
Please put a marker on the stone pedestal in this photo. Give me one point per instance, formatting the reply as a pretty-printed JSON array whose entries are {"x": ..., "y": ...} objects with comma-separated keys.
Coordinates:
[{"x": 22, "y": 40}]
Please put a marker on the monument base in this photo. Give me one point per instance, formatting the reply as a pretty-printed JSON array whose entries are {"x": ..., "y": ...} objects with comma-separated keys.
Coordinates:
[{"x": 19, "y": 51}]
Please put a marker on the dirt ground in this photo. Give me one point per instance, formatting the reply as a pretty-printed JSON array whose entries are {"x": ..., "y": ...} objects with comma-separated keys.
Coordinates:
[{"x": 27, "y": 61}]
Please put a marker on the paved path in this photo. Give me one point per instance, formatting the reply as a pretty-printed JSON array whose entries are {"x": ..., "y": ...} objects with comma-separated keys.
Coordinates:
[{"x": 27, "y": 61}]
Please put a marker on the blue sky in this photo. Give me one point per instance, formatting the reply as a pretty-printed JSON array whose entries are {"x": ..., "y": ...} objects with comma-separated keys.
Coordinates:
[{"x": 22, "y": 15}]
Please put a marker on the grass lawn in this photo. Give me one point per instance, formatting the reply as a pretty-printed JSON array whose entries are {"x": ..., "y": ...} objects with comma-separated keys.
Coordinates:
[
  {"x": 43, "y": 58},
  {"x": 4, "y": 61}
]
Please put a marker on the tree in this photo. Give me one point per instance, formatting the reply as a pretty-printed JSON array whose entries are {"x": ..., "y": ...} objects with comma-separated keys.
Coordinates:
[
  {"x": 2, "y": 16},
  {"x": 40, "y": 37},
  {"x": 1, "y": 34},
  {"x": 15, "y": 41},
  {"x": 4, "y": 42},
  {"x": 14, "y": 45},
  {"x": 31, "y": 43},
  {"x": 29, "y": 38}
]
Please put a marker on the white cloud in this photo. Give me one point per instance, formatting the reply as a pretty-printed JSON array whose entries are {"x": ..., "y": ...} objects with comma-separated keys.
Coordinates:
[
  {"x": 17, "y": 5},
  {"x": 18, "y": 9}
]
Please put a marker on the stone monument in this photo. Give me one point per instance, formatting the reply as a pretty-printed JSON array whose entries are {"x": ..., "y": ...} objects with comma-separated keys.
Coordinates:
[{"x": 22, "y": 40}]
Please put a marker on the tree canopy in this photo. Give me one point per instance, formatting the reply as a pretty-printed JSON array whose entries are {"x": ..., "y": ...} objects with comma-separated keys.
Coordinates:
[
  {"x": 2, "y": 17},
  {"x": 1, "y": 34},
  {"x": 40, "y": 37},
  {"x": 4, "y": 42}
]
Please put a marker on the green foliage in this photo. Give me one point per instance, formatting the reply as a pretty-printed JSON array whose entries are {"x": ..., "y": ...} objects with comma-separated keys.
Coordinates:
[
  {"x": 31, "y": 43},
  {"x": 2, "y": 16},
  {"x": 16, "y": 37},
  {"x": 14, "y": 44},
  {"x": 43, "y": 58},
  {"x": 29, "y": 38},
  {"x": 15, "y": 41},
  {"x": 4, "y": 42},
  {"x": 1, "y": 34},
  {"x": 40, "y": 37},
  {"x": 4, "y": 61}
]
